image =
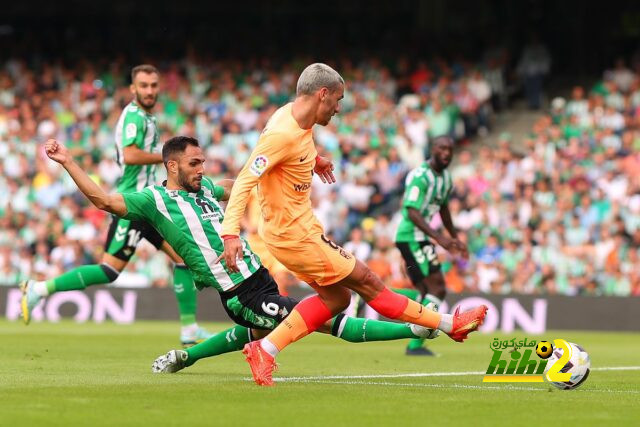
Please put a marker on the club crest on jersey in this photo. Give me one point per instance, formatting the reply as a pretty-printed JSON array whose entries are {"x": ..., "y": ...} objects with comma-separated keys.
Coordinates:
[{"x": 259, "y": 165}]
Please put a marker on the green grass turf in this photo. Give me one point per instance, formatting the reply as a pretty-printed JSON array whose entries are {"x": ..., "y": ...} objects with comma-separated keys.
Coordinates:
[{"x": 88, "y": 374}]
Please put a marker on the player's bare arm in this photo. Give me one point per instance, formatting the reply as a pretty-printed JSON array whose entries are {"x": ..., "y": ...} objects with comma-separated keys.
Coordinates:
[
  {"x": 227, "y": 184},
  {"x": 133, "y": 155},
  {"x": 445, "y": 215},
  {"x": 113, "y": 203},
  {"x": 444, "y": 241}
]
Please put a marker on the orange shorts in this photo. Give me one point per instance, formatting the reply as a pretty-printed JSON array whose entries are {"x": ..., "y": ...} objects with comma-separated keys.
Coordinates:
[
  {"x": 314, "y": 259},
  {"x": 269, "y": 261}
]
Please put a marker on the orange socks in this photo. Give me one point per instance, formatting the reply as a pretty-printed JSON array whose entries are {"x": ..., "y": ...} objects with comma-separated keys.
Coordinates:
[
  {"x": 395, "y": 306},
  {"x": 308, "y": 316},
  {"x": 420, "y": 315},
  {"x": 290, "y": 330}
]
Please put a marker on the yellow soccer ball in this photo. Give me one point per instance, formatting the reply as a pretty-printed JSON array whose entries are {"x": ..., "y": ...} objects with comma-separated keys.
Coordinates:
[{"x": 544, "y": 349}]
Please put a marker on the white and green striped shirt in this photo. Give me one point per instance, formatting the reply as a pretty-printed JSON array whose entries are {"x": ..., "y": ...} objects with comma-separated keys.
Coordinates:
[
  {"x": 135, "y": 126},
  {"x": 426, "y": 191},
  {"x": 191, "y": 224}
]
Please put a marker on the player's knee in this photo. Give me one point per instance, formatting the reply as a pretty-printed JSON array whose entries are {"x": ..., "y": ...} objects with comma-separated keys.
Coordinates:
[{"x": 111, "y": 273}]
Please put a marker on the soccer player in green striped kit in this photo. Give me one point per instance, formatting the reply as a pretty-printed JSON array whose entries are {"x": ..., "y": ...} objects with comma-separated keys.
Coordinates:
[
  {"x": 186, "y": 211},
  {"x": 136, "y": 137},
  {"x": 427, "y": 191}
]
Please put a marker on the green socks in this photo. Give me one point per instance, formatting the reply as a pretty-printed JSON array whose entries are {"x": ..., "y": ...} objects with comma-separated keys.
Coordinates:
[
  {"x": 185, "y": 291},
  {"x": 347, "y": 328},
  {"x": 412, "y": 294},
  {"x": 356, "y": 329},
  {"x": 232, "y": 339},
  {"x": 80, "y": 278}
]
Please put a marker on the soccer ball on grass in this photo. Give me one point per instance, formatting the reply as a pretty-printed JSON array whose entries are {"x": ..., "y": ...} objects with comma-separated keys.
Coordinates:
[{"x": 578, "y": 366}]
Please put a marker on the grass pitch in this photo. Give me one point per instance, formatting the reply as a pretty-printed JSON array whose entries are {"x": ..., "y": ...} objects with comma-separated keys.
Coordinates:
[{"x": 87, "y": 374}]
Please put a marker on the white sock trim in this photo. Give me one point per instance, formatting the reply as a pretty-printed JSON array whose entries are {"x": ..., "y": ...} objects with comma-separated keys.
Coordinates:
[
  {"x": 343, "y": 323},
  {"x": 446, "y": 323},
  {"x": 269, "y": 347}
]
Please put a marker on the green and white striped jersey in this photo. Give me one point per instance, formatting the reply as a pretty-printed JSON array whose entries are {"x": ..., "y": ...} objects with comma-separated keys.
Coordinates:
[
  {"x": 191, "y": 224},
  {"x": 427, "y": 192},
  {"x": 135, "y": 126}
]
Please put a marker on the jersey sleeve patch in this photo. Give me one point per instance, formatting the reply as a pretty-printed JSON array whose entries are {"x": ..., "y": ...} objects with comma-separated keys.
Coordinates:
[
  {"x": 259, "y": 165},
  {"x": 130, "y": 131},
  {"x": 414, "y": 194}
]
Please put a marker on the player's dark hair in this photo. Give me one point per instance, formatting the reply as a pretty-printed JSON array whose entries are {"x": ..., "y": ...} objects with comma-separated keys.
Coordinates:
[
  {"x": 143, "y": 68},
  {"x": 442, "y": 138},
  {"x": 437, "y": 140},
  {"x": 176, "y": 145}
]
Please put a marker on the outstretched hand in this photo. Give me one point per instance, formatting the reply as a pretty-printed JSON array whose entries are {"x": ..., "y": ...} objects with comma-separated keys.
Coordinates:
[
  {"x": 324, "y": 169},
  {"x": 56, "y": 151},
  {"x": 232, "y": 251},
  {"x": 461, "y": 248}
]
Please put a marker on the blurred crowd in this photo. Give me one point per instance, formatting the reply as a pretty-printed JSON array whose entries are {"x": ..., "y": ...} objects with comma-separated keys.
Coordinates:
[
  {"x": 560, "y": 216},
  {"x": 47, "y": 227},
  {"x": 556, "y": 213}
]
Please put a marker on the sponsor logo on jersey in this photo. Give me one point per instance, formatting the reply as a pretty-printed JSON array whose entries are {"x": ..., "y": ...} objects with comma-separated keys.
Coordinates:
[
  {"x": 259, "y": 165},
  {"x": 212, "y": 215},
  {"x": 301, "y": 187}
]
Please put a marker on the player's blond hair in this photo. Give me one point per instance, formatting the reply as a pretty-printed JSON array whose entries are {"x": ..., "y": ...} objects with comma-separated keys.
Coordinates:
[{"x": 317, "y": 76}]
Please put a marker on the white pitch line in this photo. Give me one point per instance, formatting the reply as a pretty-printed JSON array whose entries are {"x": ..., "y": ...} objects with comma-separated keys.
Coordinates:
[
  {"x": 617, "y": 368},
  {"x": 427, "y": 374},
  {"x": 364, "y": 377},
  {"x": 449, "y": 386},
  {"x": 414, "y": 385}
]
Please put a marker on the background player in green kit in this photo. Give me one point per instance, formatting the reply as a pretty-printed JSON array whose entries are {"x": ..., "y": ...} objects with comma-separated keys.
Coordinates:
[
  {"x": 427, "y": 191},
  {"x": 136, "y": 137},
  {"x": 186, "y": 212}
]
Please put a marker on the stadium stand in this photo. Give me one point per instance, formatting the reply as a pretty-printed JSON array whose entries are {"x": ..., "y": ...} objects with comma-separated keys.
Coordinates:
[{"x": 515, "y": 206}]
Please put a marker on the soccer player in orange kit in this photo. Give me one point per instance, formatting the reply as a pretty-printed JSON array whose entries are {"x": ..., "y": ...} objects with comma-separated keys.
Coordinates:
[{"x": 282, "y": 165}]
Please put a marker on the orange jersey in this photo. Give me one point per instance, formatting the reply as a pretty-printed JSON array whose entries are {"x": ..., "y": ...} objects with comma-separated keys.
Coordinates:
[
  {"x": 282, "y": 165},
  {"x": 253, "y": 211},
  {"x": 255, "y": 242}
]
